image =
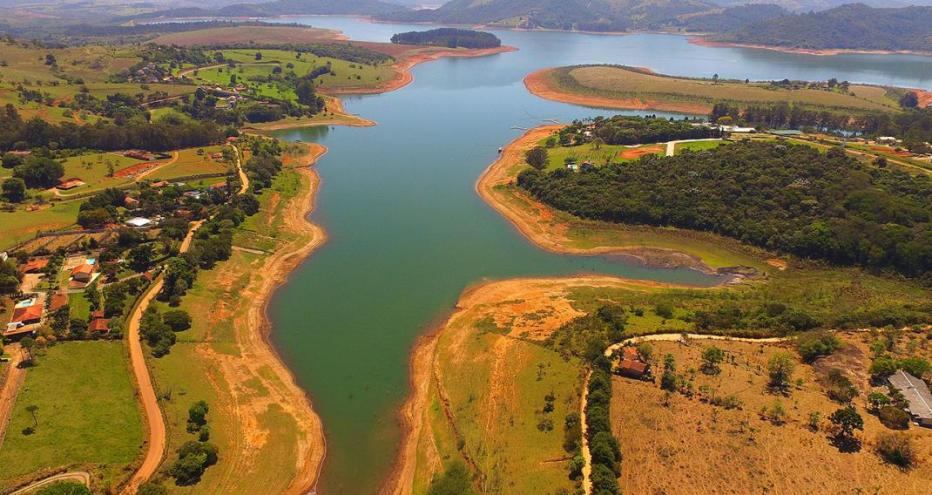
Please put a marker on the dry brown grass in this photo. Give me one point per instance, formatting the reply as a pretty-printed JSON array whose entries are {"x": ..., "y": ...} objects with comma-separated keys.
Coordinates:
[{"x": 673, "y": 444}]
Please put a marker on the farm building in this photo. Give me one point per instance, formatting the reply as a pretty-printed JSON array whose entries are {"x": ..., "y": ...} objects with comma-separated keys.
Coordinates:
[
  {"x": 100, "y": 325},
  {"x": 139, "y": 222},
  {"x": 130, "y": 202},
  {"x": 70, "y": 184},
  {"x": 631, "y": 364},
  {"x": 917, "y": 394},
  {"x": 139, "y": 155}
]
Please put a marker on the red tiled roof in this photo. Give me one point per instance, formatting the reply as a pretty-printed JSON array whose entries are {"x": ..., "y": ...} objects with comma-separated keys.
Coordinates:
[
  {"x": 99, "y": 325},
  {"x": 29, "y": 313},
  {"x": 85, "y": 268},
  {"x": 35, "y": 265},
  {"x": 59, "y": 300},
  {"x": 630, "y": 353},
  {"x": 70, "y": 183},
  {"x": 97, "y": 314}
]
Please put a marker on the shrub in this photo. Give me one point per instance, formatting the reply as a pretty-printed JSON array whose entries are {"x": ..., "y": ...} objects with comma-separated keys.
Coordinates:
[
  {"x": 780, "y": 370},
  {"x": 664, "y": 310},
  {"x": 454, "y": 481},
  {"x": 896, "y": 448},
  {"x": 893, "y": 417},
  {"x": 178, "y": 320},
  {"x": 812, "y": 346},
  {"x": 193, "y": 459},
  {"x": 64, "y": 488},
  {"x": 840, "y": 388}
]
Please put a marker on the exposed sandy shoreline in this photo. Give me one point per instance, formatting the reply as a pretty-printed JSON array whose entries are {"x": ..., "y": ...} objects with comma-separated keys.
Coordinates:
[
  {"x": 825, "y": 52},
  {"x": 276, "y": 269},
  {"x": 404, "y": 65},
  {"x": 540, "y": 228},
  {"x": 539, "y": 84}
]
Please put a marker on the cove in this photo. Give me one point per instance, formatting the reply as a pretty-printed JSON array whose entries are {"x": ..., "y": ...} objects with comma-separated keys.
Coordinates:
[{"x": 407, "y": 233}]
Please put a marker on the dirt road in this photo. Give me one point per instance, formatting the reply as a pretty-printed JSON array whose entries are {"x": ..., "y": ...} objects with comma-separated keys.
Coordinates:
[
  {"x": 82, "y": 477},
  {"x": 155, "y": 441},
  {"x": 11, "y": 385}
]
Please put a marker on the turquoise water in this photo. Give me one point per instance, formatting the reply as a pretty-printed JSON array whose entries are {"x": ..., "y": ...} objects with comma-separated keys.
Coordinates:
[{"x": 408, "y": 233}]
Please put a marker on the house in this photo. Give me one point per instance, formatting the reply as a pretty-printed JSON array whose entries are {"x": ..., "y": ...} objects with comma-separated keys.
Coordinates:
[
  {"x": 158, "y": 185},
  {"x": 216, "y": 156},
  {"x": 192, "y": 194},
  {"x": 100, "y": 325},
  {"x": 631, "y": 364},
  {"x": 139, "y": 155},
  {"x": 130, "y": 202},
  {"x": 139, "y": 223},
  {"x": 737, "y": 130},
  {"x": 887, "y": 140},
  {"x": 27, "y": 316},
  {"x": 917, "y": 395},
  {"x": 59, "y": 300},
  {"x": 35, "y": 266},
  {"x": 83, "y": 273},
  {"x": 96, "y": 315},
  {"x": 70, "y": 184}
]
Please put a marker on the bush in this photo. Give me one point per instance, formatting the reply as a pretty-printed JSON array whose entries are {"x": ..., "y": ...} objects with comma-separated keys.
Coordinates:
[
  {"x": 840, "y": 388},
  {"x": 193, "y": 459},
  {"x": 64, "y": 488},
  {"x": 896, "y": 448},
  {"x": 178, "y": 320},
  {"x": 152, "y": 488},
  {"x": 454, "y": 481},
  {"x": 813, "y": 346},
  {"x": 893, "y": 417}
]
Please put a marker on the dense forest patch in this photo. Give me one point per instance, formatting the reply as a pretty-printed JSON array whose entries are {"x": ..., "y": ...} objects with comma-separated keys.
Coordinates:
[
  {"x": 778, "y": 196},
  {"x": 449, "y": 37}
]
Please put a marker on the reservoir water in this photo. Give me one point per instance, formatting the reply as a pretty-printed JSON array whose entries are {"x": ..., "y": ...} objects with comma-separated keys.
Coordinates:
[{"x": 407, "y": 233}]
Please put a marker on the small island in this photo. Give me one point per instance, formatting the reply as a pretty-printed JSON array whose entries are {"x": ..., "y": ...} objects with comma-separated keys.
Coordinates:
[{"x": 449, "y": 38}]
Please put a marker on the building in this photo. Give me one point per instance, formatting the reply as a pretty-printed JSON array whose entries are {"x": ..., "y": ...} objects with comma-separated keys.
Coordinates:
[
  {"x": 70, "y": 184},
  {"x": 736, "y": 129},
  {"x": 29, "y": 315},
  {"x": 99, "y": 325},
  {"x": 59, "y": 300},
  {"x": 139, "y": 222},
  {"x": 631, "y": 364},
  {"x": 83, "y": 273},
  {"x": 130, "y": 202},
  {"x": 35, "y": 265},
  {"x": 917, "y": 395}
]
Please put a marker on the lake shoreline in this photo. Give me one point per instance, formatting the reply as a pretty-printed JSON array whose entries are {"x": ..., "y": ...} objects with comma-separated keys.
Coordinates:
[
  {"x": 554, "y": 239},
  {"x": 540, "y": 84},
  {"x": 818, "y": 52}
]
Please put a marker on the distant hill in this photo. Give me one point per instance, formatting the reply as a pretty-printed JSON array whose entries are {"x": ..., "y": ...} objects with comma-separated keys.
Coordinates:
[
  {"x": 729, "y": 19},
  {"x": 817, "y": 5},
  {"x": 280, "y": 7},
  {"x": 854, "y": 26},
  {"x": 585, "y": 15}
]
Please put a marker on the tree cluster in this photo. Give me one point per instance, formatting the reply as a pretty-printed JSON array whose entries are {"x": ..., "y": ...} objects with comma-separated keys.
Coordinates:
[
  {"x": 777, "y": 196},
  {"x": 449, "y": 38}
]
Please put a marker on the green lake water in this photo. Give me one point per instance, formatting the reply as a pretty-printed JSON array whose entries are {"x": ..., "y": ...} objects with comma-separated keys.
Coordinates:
[{"x": 408, "y": 233}]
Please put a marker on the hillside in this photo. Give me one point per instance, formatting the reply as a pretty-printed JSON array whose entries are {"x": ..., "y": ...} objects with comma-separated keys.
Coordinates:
[
  {"x": 855, "y": 26},
  {"x": 279, "y": 7},
  {"x": 818, "y": 5},
  {"x": 589, "y": 15},
  {"x": 729, "y": 19}
]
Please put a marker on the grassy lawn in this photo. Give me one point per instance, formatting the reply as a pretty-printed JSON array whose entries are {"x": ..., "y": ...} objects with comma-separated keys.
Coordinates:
[
  {"x": 20, "y": 225},
  {"x": 93, "y": 169},
  {"x": 622, "y": 82},
  {"x": 190, "y": 162},
  {"x": 87, "y": 414},
  {"x": 346, "y": 74},
  {"x": 697, "y": 146},
  {"x": 78, "y": 306}
]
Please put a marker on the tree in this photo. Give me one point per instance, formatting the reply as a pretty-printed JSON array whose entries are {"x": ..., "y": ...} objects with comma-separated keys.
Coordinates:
[
  {"x": 197, "y": 416},
  {"x": 10, "y": 277},
  {"x": 193, "y": 459},
  {"x": 604, "y": 480},
  {"x": 915, "y": 366},
  {"x": 664, "y": 310},
  {"x": 455, "y": 480},
  {"x": 78, "y": 328},
  {"x": 140, "y": 257},
  {"x": 814, "y": 345},
  {"x": 882, "y": 367},
  {"x": 877, "y": 400},
  {"x": 846, "y": 420},
  {"x": 537, "y": 157},
  {"x": 258, "y": 55},
  {"x": 780, "y": 369},
  {"x": 14, "y": 190},
  {"x": 893, "y": 417},
  {"x": 711, "y": 358},
  {"x": 39, "y": 172},
  {"x": 178, "y": 320},
  {"x": 668, "y": 379},
  {"x": 33, "y": 409},
  {"x": 305, "y": 92},
  {"x": 909, "y": 100}
]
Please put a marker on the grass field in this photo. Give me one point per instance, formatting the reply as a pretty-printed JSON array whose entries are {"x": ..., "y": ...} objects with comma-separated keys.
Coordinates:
[
  {"x": 670, "y": 441},
  {"x": 259, "y": 35},
  {"x": 605, "y": 153},
  {"x": 21, "y": 225},
  {"x": 485, "y": 408},
  {"x": 345, "y": 74},
  {"x": 625, "y": 83},
  {"x": 190, "y": 162},
  {"x": 697, "y": 146},
  {"x": 87, "y": 415}
]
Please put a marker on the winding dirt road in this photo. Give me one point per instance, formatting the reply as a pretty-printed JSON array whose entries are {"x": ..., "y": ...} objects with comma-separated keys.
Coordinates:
[{"x": 11, "y": 385}]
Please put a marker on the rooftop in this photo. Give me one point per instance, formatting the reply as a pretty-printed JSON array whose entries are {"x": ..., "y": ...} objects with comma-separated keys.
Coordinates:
[{"x": 916, "y": 393}]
